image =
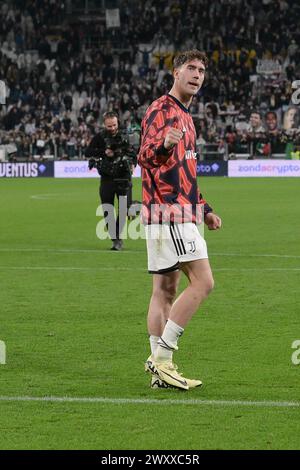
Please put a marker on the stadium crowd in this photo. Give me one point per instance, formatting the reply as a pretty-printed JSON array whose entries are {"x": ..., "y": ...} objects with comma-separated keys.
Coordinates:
[{"x": 61, "y": 79}]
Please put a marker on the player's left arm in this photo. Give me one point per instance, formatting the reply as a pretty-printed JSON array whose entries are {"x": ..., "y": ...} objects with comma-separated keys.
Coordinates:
[{"x": 212, "y": 220}]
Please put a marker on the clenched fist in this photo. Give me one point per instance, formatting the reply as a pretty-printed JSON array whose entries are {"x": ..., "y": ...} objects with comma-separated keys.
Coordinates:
[
  {"x": 172, "y": 138},
  {"x": 213, "y": 221}
]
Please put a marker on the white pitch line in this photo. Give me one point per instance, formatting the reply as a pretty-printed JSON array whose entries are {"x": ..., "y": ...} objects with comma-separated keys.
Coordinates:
[
  {"x": 120, "y": 268},
  {"x": 65, "y": 250},
  {"x": 154, "y": 401},
  {"x": 100, "y": 250},
  {"x": 256, "y": 269},
  {"x": 69, "y": 268},
  {"x": 46, "y": 196},
  {"x": 258, "y": 255}
]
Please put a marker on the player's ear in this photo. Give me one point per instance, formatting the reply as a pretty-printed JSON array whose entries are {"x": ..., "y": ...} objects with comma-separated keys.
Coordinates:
[{"x": 175, "y": 72}]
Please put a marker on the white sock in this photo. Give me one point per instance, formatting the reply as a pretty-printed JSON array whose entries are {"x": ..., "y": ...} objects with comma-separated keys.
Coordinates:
[
  {"x": 167, "y": 343},
  {"x": 153, "y": 343}
]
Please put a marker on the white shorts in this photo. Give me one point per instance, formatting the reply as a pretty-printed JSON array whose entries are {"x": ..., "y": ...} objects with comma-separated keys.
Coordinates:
[{"x": 171, "y": 244}]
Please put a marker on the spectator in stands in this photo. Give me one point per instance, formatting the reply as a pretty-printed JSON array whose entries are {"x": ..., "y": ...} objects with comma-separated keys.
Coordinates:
[
  {"x": 290, "y": 120},
  {"x": 255, "y": 124},
  {"x": 80, "y": 72},
  {"x": 271, "y": 122}
]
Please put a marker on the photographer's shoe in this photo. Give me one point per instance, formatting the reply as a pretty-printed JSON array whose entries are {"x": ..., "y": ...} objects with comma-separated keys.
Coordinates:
[{"x": 117, "y": 245}]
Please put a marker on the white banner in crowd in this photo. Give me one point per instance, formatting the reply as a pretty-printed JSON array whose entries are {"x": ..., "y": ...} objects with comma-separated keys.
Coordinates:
[
  {"x": 263, "y": 168},
  {"x": 79, "y": 169},
  {"x": 112, "y": 18},
  {"x": 268, "y": 67}
]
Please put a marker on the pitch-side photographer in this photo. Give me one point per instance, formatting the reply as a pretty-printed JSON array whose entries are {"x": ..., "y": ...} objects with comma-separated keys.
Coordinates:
[{"x": 114, "y": 158}]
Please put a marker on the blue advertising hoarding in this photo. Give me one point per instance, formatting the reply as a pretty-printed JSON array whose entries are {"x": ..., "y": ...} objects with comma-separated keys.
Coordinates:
[
  {"x": 26, "y": 170},
  {"x": 212, "y": 168}
]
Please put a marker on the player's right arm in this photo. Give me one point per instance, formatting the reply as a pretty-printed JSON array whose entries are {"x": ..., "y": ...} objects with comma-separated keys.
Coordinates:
[{"x": 159, "y": 136}]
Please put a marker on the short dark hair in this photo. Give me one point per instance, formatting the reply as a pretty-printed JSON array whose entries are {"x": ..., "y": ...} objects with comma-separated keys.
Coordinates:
[
  {"x": 272, "y": 113},
  {"x": 110, "y": 115},
  {"x": 255, "y": 111},
  {"x": 188, "y": 56}
]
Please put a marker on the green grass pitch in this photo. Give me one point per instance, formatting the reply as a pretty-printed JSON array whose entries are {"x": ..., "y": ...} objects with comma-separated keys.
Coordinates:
[{"x": 73, "y": 317}]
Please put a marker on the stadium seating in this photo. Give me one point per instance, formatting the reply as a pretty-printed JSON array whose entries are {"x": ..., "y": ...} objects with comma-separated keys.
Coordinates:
[{"x": 64, "y": 68}]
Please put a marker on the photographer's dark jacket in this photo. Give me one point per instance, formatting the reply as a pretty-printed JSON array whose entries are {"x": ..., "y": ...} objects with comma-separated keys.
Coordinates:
[{"x": 117, "y": 143}]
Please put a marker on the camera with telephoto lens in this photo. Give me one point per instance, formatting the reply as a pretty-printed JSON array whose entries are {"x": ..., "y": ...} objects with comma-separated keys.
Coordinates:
[{"x": 118, "y": 167}]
